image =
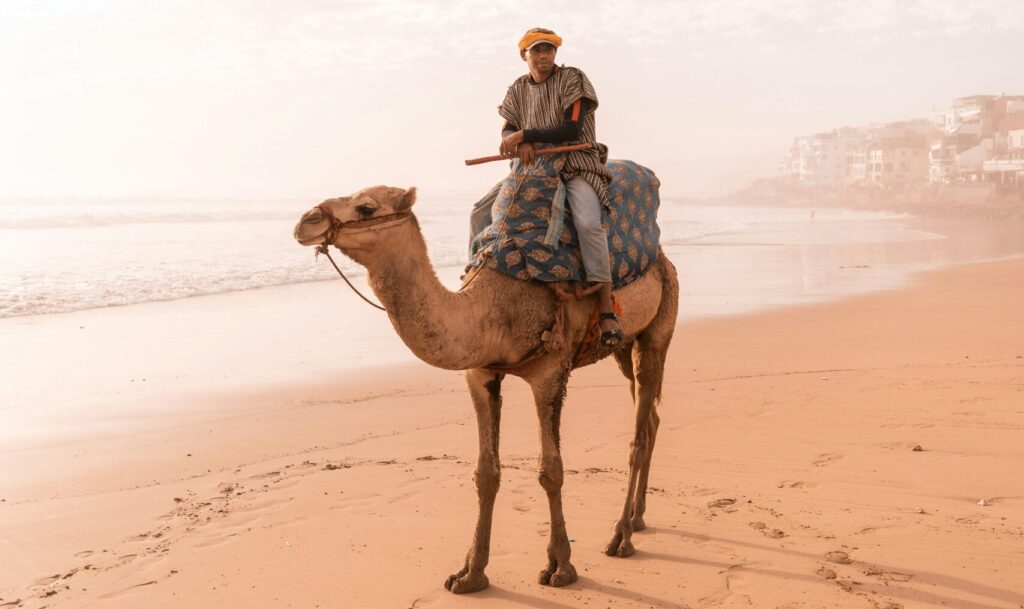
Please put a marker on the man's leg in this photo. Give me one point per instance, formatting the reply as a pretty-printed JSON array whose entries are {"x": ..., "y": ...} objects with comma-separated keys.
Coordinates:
[
  {"x": 480, "y": 217},
  {"x": 586, "y": 215}
]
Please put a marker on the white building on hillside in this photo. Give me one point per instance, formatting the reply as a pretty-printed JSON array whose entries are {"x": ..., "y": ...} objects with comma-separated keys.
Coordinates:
[
  {"x": 897, "y": 163},
  {"x": 972, "y": 135}
]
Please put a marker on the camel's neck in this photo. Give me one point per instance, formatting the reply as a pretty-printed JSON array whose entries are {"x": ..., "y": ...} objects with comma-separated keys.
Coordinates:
[{"x": 441, "y": 327}]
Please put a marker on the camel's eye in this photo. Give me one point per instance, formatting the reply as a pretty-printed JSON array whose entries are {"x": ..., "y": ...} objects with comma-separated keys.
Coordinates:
[{"x": 366, "y": 209}]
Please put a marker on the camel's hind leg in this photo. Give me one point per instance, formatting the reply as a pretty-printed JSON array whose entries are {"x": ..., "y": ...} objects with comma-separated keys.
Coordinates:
[
  {"x": 549, "y": 393},
  {"x": 485, "y": 389},
  {"x": 624, "y": 357},
  {"x": 645, "y": 370}
]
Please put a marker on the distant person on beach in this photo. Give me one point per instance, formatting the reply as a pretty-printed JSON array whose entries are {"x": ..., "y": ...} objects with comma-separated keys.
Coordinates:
[{"x": 555, "y": 105}]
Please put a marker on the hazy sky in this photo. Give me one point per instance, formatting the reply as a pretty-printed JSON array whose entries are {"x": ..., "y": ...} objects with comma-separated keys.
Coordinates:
[{"x": 317, "y": 98}]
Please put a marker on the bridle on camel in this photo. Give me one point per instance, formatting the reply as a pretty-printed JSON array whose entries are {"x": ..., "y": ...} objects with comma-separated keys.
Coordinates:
[{"x": 337, "y": 226}]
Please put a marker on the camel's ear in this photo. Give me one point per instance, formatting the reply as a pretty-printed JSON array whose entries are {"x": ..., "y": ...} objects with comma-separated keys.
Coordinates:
[{"x": 407, "y": 200}]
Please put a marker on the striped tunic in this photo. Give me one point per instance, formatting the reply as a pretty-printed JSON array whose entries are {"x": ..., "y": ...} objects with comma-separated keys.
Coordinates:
[{"x": 530, "y": 105}]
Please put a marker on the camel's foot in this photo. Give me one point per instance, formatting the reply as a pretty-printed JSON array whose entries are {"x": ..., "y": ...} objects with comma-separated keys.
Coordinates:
[
  {"x": 619, "y": 547},
  {"x": 637, "y": 523},
  {"x": 558, "y": 575},
  {"x": 465, "y": 581}
]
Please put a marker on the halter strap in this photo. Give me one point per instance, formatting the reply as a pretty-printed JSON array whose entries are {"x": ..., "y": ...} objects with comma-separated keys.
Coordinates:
[{"x": 337, "y": 225}]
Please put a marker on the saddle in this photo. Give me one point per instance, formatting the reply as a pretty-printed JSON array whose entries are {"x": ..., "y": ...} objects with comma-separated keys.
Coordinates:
[{"x": 532, "y": 237}]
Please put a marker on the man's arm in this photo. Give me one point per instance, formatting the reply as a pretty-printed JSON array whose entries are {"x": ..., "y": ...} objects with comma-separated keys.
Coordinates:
[
  {"x": 512, "y": 143},
  {"x": 514, "y": 140},
  {"x": 568, "y": 131}
]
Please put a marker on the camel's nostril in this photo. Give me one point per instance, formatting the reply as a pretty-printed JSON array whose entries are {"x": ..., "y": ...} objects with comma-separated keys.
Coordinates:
[{"x": 313, "y": 216}]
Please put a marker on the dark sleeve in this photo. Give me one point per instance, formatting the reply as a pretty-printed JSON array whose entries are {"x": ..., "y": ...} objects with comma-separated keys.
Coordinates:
[{"x": 568, "y": 131}]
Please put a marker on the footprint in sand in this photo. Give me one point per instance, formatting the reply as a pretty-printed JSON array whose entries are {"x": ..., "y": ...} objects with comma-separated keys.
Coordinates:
[
  {"x": 15, "y": 603},
  {"x": 721, "y": 503},
  {"x": 215, "y": 540},
  {"x": 797, "y": 484},
  {"x": 84, "y": 554},
  {"x": 889, "y": 576},
  {"x": 124, "y": 591},
  {"x": 521, "y": 507},
  {"x": 908, "y": 426},
  {"x": 827, "y": 459},
  {"x": 272, "y": 474},
  {"x": 838, "y": 556},
  {"x": 974, "y": 400},
  {"x": 42, "y": 582}
]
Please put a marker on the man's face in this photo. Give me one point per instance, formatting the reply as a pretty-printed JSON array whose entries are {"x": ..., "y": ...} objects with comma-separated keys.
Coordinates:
[{"x": 541, "y": 58}]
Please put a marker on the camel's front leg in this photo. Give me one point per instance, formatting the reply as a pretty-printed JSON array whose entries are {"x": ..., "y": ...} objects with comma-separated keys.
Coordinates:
[
  {"x": 549, "y": 393},
  {"x": 485, "y": 389}
]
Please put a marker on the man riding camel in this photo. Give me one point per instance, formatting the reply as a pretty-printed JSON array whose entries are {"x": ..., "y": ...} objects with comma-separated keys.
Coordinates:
[{"x": 555, "y": 105}]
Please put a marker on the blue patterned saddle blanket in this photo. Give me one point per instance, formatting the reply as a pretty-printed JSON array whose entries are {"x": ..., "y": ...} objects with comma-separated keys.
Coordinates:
[{"x": 532, "y": 236}]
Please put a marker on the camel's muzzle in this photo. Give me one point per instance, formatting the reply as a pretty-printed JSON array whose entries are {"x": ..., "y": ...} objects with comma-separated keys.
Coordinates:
[{"x": 306, "y": 232}]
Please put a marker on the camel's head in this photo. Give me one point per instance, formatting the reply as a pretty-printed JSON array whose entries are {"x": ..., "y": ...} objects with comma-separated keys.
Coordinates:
[{"x": 369, "y": 203}]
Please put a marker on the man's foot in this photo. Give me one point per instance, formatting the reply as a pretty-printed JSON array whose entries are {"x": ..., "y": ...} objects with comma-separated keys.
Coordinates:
[{"x": 611, "y": 331}]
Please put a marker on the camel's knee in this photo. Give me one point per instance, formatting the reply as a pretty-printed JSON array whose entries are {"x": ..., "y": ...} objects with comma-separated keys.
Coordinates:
[
  {"x": 649, "y": 375},
  {"x": 487, "y": 479},
  {"x": 551, "y": 482},
  {"x": 551, "y": 476},
  {"x": 639, "y": 446}
]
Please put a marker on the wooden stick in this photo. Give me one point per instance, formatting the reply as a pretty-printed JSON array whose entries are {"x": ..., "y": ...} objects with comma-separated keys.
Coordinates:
[{"x": 501, "y": 157}]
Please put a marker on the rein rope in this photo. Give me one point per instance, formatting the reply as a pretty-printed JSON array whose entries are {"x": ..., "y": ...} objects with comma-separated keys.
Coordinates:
[
  {"x": 337, "y": 226},
  {"x": 322, "y": 249}
]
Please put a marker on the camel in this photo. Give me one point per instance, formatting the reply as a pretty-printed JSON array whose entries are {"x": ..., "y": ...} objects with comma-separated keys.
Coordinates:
[{"x": 488, "y": 327}]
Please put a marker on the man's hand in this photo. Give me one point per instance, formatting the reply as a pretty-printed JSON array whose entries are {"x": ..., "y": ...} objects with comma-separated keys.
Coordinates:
[
  {"x": 510, "y": 143},
  {"x": 527, "y": 155}
]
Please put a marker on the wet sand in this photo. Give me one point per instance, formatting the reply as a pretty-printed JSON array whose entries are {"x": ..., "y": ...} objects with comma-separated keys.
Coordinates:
[{"x": 785, "y": 474}]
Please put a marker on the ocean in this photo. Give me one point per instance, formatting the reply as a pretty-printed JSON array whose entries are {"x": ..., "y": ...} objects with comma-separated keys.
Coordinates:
[{"x": 59, "y": 255}]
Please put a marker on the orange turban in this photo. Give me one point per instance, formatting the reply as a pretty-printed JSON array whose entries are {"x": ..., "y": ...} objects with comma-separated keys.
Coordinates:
[{"x": 531, "y": 38}]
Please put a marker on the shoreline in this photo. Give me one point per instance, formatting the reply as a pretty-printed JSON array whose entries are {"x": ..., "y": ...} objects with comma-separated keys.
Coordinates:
[
  {"x": 968, "y": 201},
  {"x": 805, "y": 415},
  {"x": 45, "y": 287}
]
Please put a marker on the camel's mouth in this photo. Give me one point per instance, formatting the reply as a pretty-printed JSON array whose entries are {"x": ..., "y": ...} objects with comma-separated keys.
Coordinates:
[
  {"x": 311, "y": 240},
  {"x": 312, "y": 227}
]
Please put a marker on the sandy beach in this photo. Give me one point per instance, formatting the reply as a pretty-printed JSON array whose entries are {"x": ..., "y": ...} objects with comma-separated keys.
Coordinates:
[{"x": 787, "y": 471}]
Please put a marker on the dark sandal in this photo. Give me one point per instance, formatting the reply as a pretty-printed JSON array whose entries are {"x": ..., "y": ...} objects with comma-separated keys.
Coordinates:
[{"x": 610, "y": 339}]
